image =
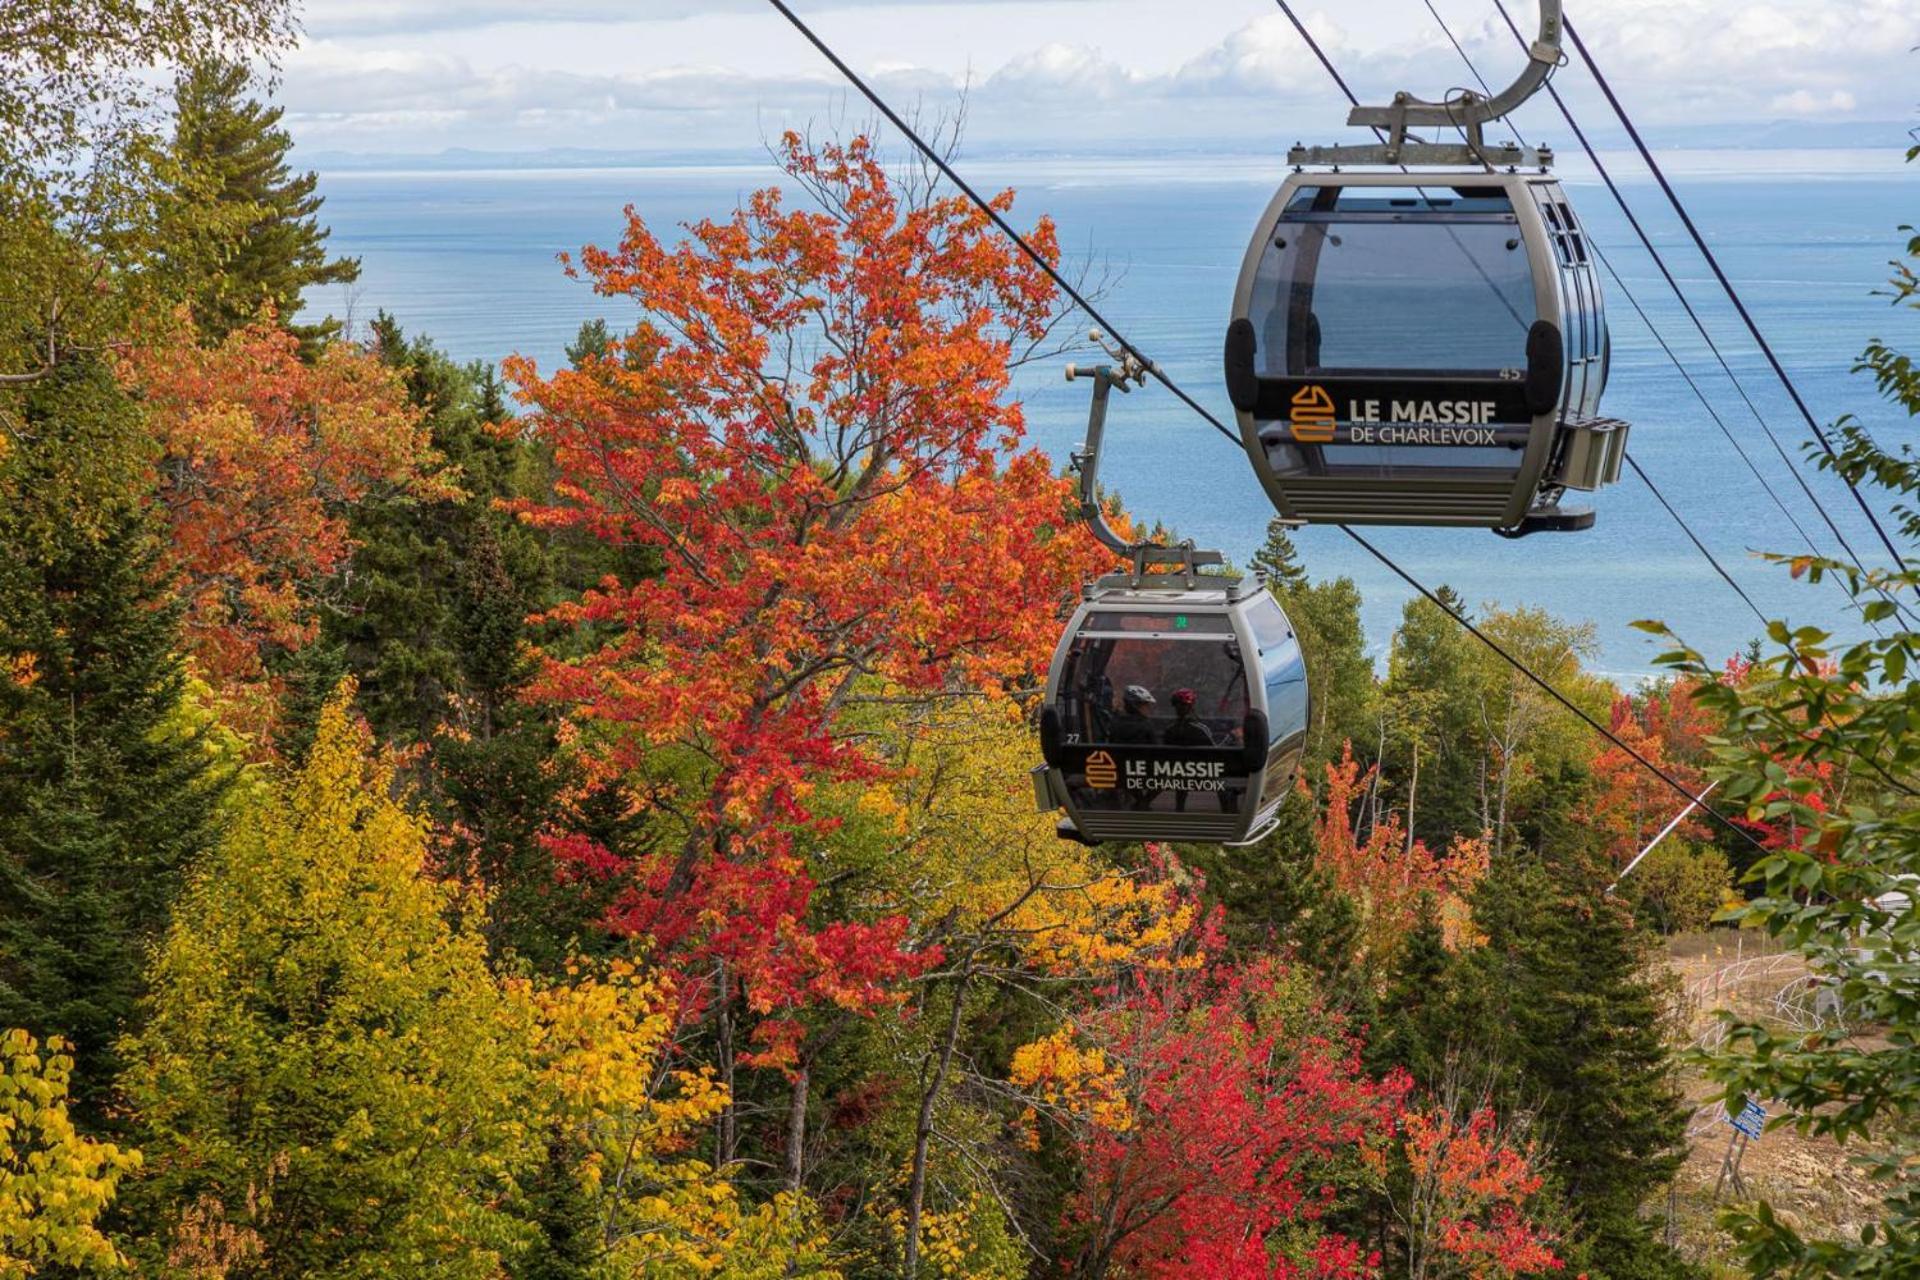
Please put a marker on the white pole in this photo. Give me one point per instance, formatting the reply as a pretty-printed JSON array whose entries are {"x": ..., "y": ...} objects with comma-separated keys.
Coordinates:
[{"x": 1665, "y": 831}]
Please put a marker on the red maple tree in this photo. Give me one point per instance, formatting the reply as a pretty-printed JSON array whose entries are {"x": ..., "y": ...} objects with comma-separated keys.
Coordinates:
[
  {"x": 1213, "y": 1115},
  {"x": 810, "y": 426}
]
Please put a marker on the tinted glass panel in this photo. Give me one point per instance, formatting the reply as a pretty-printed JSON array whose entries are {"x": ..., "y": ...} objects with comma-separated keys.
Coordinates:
[
  {"x": 1361, "y": 282},
  {"x": 1102, "y": 675},
  {"x": 1128, "y": 694}
]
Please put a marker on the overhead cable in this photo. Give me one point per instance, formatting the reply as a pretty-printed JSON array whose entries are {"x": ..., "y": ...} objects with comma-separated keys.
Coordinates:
[
  {"x": 999, "y": 220},
  {"x": 1007, "y": 229},
  {"x": 1700, "y": 327},
  {"x": 1733, "y": 295}
]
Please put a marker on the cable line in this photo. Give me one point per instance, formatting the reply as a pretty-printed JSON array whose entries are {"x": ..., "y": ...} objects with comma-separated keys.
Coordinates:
[
  {"x": 1700, "y": 242},
  {"x": 1658, "y": 337},
  {"x": 1631, "y": 461},
  {"x": 1695, "y": 539},
  {"x": 940, "y": 162},
  {"x": 1699, "y": 325},
  {"x": 926, "y": 149},
  {"x": 1556, "y": 695},
  {"x": 1637, "y": 469}
]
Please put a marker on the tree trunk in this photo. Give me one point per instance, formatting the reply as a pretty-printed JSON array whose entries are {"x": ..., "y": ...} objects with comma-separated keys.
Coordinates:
[
  {"x": 726, "y": 1134},
  {"x": 1413, "y": 791},
  {"x": 923, "y": 1129},
  {"x": 797, "y": 1128}
]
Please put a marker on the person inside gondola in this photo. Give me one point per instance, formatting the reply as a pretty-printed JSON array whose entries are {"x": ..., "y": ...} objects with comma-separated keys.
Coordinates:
[
  {"x": 1187, "y": 730},
  {"x": 1133, "y": 726}
]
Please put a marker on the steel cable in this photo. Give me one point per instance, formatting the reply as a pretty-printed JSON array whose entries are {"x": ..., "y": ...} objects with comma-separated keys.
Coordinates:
[{"x": 1007, "y": 229}]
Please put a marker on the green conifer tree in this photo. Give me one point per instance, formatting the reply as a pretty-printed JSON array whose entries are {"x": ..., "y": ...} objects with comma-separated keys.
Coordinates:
[
  {"x": 433, "y": 628},
  {"x": 1562, "y": 1003},
  {"x": 106, "y": 794},
  {"x": 401, "y": 622},
  {"x": 1326, "y": 616},
  {"x": 1415, "y": 1028},
  {"x": 243, "y": 228}
]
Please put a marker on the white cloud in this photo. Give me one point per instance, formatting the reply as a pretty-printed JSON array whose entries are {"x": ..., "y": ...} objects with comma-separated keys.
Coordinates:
[
  {"x": 1802, "y": 103},
  {"x": 712, "y": 74}
]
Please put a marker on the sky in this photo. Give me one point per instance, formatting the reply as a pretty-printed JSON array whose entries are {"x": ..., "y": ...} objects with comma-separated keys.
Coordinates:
[{"x": 1101, "y": 75}]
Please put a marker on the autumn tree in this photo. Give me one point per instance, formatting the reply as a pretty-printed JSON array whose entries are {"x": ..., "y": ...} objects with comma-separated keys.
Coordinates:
[
  {"x": 54, "y": 1183},
  {"x": 1808, "y": 718},
  {"x": 810, "y": 427},
  {"x": 109, "y": 792},
  {"x": 81, "y": 162},
  {"x": 262, "y": 457},
  {"x": 1216, "y": 1113},
  {"x": 1390, "y": 876},
  {"x": 328, "y": 1070},
  {"x": 1465, "y": 1181},
  {"x": 1024, "y": 923}
]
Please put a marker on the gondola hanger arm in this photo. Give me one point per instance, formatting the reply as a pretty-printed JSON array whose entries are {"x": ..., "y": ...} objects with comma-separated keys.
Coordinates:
[
  {"x": 1467, "y": 111},
  {"x": 1125, "y": 373}
]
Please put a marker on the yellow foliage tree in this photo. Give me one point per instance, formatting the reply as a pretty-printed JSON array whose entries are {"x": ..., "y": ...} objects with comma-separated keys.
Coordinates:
[
  {"x": 962, "y": 848},
  {"x": 329, "y": 1073},
  {"x": 603, "y": 1042},
  {"x": 332, "y": 1082},
  {"x": 54, "y": 1183}
]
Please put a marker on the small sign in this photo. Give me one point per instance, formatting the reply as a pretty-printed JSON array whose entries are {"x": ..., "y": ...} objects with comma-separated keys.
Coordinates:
[
  {"x": 1751, "y": 1121},
  {"x": 1102, "y": 773}
]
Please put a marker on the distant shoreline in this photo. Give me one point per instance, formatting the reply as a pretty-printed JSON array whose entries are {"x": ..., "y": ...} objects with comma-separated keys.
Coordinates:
[{"x": 1226, "y": 168}]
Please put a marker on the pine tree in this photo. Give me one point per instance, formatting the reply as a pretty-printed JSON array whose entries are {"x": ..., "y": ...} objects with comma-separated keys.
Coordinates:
[
  {"x": 1326, "y": 617},
  {"x": 1561, "y": 1001},
  {"x": 243, "y": 227},
  {"x": 1415, "y": 1029},
  {"x": 1277, "y": 562},
  {"x": 400, "y": 624},
  {"x": 106, "y": 794},
  {"x": 433, "y": 629}
]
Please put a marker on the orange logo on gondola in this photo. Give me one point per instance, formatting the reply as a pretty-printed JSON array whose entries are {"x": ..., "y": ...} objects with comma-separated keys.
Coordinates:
[
  {"x": 1102, "y": 773},
  {"x": 1312, "y": 415}
]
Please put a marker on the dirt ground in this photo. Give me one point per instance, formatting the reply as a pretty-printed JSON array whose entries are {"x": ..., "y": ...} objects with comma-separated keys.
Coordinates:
[{"x": 1810, "y": 1181}]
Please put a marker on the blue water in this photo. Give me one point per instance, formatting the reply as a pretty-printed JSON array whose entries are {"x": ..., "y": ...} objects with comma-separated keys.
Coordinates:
[{"x": 470, "y": 259}]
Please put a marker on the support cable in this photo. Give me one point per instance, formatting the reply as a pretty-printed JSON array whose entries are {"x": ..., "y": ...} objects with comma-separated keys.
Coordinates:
[
  {"x": 1545, "y": 687},
  {"x": 1700, "y": 327},
  {"x": 1695, "y": 539},
  {"x": 1645, "y": 479},
  {"x": 1673, "y": 356},
  {"x": 1007, "y": 229},
  {"x": 1753, "y": 327},
  {"x": 999, "y": 220},
  {"x": 1637, "y": 470}
]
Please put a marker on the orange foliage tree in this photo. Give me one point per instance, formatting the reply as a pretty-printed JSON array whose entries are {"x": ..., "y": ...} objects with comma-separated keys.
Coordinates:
[
  {"x": 1388, "y": 873},
  {"x": 810, "y": 426},
  {"x": 1630, "y": 803},
  {"x": 261, "y": 455},
  {"x": 1463, "y": 1206}
]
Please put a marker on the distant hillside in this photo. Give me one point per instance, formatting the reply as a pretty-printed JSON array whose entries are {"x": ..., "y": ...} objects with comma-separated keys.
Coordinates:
[{"x": 1782, "y": 135}]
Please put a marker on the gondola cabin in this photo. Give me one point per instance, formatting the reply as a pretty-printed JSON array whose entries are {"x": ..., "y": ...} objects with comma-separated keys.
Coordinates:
[
  {"x": 1173, "y": 712},
  {"x": 1424, "y": 348}
]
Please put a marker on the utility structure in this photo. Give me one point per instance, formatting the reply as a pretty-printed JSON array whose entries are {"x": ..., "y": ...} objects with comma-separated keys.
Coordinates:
[{"x": 1418, "y": 335}]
